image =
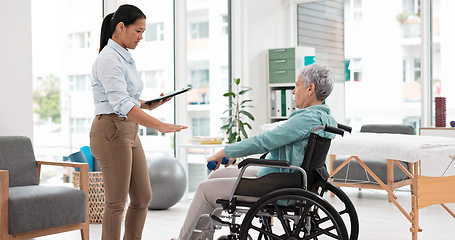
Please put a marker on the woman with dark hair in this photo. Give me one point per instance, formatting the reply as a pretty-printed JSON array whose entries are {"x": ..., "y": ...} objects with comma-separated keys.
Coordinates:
[{"x": 113, "y": 137}]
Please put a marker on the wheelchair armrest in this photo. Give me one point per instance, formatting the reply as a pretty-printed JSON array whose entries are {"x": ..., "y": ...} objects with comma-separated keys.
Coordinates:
[{"x": 263, "y": 162}]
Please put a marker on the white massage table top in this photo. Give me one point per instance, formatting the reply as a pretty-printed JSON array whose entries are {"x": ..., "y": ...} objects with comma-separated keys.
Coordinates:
[{"x": 408, "y": 148}]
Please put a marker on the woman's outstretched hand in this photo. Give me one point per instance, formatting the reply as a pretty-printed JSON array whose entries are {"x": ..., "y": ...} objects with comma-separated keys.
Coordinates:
[{"x": 167, "y": 128}]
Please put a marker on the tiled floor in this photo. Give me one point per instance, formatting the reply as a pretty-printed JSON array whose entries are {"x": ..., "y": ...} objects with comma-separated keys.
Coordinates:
[{"x": 379, "y": 220}]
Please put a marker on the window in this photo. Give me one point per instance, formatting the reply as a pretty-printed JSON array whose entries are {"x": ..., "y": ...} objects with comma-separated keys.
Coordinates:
[
  {"x": 411, "y": 7},
  {"x": 416, "y": 69},
  {"x": 443, "y": 45},
  {"x": 55, "y": 58},
  {"x": 199, "y": 78},
  {"x": 224, "y": 24},
  {"x": 81, "y": 125},
  {"x": 79, "y": 40},
  {"x": 199, "y": 126},
  {"x": 79, "y": 82},
  {"x": 355, "y": 70},
  {"x": 199, "y": 30},
  {"x": 145, "y": 131},
  {"x": 153, "y": 79},
  {"x": 353, "y": 10},
  {"x": 375, "y": 48},
  {"x": 154, "y": 32}
]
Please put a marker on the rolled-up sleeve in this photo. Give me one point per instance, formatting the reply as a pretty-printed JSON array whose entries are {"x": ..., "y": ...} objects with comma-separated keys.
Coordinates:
[
  {"x": 113, "y": 80},
  {"x": 265, "y": 142}
]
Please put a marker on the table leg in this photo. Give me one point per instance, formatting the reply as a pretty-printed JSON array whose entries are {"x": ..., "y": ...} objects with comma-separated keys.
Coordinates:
[{"x": 415, "y": 203}]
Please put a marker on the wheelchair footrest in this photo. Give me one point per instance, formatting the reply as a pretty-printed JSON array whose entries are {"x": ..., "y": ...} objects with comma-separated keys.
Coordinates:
[{"x": 234, "y": 228}]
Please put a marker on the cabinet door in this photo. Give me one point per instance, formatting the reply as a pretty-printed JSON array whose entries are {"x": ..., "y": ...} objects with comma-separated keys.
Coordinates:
[
  {"x": 281, "y": 64},
  {"x": 282, "y": 76},
  {"x": 281, "y": 53}
]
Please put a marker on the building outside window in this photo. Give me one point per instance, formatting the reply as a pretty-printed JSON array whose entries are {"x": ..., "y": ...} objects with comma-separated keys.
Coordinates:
[
  {"x": 79, "y": 40},
  {"x": 224, "y": 24},
  {"x": 355, "y": 70},
  {"x": 154, "y": 32},
  {"x": 354, "y": 10},
  {"x": 199, "y": 30},
  {"x": 79, "y": 82},
  {"x": 153, "y": 79}
]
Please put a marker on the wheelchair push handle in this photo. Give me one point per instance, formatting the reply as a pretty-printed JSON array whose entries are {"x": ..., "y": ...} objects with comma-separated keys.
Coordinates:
[
  {"x": 212, "y": 164},
  {"x": 345, "y": 127},
  {"x": 334, "y": 130}
]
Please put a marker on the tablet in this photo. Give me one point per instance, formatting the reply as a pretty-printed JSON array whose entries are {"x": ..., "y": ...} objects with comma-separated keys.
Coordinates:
[{"x": 170, "y": 94}]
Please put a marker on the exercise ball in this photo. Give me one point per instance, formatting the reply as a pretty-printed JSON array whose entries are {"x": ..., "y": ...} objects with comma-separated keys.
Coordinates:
[{"x": 168, "y": 180}]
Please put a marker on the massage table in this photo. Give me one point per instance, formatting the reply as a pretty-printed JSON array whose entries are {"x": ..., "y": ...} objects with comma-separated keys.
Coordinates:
[{"x": 420, "y": 151}]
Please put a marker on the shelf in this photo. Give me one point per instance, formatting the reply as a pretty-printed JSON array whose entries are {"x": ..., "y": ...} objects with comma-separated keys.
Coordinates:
[{"x": 281, "y": 85}]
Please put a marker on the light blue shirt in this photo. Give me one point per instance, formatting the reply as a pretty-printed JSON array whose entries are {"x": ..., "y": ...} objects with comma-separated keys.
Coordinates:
[
  {"x": 116, "y": 83},
  {"x": 288, "y": 141}
]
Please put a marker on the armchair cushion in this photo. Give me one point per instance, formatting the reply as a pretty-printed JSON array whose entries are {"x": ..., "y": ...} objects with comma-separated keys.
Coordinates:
[
  {"x": 40, "y": 207},
  {"x": 16, "y": 156}
]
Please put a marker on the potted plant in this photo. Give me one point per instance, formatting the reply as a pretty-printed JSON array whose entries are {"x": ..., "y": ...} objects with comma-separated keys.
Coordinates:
[{"x": 238, "y": 115}]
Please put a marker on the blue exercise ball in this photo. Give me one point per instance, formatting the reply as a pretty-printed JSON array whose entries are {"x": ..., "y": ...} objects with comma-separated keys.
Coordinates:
[{"x": 168, "y": 180}]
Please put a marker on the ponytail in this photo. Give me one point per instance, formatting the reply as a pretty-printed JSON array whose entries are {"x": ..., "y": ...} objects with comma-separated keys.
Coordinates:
[
  {"x": 106, "y": 31},
  {"x": 128, "y": 14}
]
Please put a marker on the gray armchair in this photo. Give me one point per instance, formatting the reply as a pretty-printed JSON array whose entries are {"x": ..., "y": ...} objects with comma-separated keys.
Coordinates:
[
  {"x": 353, "y": 175},
  {"x": 29, "y": 210}
]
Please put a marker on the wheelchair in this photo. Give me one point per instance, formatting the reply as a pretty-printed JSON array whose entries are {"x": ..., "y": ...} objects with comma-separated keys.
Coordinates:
[{"x": 287, "y": 205}]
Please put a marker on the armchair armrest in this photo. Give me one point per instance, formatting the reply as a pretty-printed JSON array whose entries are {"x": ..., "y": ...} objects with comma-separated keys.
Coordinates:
[
  {"x": 62, "y": 164},
  {"x": 83, "y": 168},
  {"x": 4, "y": 195}
]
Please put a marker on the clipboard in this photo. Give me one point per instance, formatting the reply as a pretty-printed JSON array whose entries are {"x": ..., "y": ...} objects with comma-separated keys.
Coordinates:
[{"x": 169, "y": 94}]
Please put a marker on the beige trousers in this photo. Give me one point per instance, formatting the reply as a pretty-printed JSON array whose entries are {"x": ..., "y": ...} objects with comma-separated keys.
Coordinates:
[{"x": 115, "y": 144}]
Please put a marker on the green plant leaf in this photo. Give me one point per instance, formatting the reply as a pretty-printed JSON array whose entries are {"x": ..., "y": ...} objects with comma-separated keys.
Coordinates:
[
  {"x": 232, "y": 137},
  {"x": 249, "y": 126},
  {"x": 237, "y": 81},
  {"x": 239, "y": 139},
  {"x": 228, "y": 94},
  {"x": 224, "y": 127},
  {"x": 247, "y": 106},
  {"x": 227, "y": 110},
  {"x": 246, "y": 114},
  {"x": 243, "y": 92},
  {"x": 245, "y": 101},
  {"x": 244, "y": 133}
]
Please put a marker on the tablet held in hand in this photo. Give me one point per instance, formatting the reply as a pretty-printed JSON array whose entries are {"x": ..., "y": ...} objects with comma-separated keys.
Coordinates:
[{"x": 170, "y": 94}]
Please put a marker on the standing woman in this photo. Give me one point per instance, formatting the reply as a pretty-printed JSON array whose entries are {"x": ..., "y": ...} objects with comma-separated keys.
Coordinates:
[{"x": 113, "y": 137}]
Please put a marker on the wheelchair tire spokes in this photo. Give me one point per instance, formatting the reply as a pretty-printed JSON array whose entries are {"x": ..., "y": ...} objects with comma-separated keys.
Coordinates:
[
  {"x": 347, "y": 210},
  {"x": 284, "y": 222},
  {"x": 301, "y": 220}
]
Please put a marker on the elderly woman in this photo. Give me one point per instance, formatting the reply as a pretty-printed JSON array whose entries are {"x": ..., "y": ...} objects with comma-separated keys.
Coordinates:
[{"x": 286, "y": 142}]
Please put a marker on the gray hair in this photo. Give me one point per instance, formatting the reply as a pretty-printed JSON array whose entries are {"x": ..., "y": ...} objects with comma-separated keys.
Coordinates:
[{"x": 319, "y": 75}]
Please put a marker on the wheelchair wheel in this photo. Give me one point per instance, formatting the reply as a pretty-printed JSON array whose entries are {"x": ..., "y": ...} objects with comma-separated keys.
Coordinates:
[
  {"x": 292, "y": 214},
  {"x": 346, "y": 209}
]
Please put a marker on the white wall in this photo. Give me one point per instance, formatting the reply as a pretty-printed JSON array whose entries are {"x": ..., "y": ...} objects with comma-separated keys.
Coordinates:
[
  {"x": 263, "y": 25},
  {"x": 16, "y": 108}
]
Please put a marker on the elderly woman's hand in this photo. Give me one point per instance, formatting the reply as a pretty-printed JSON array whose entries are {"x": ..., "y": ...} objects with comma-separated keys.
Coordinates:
[{"x": 218, "y": 157}]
